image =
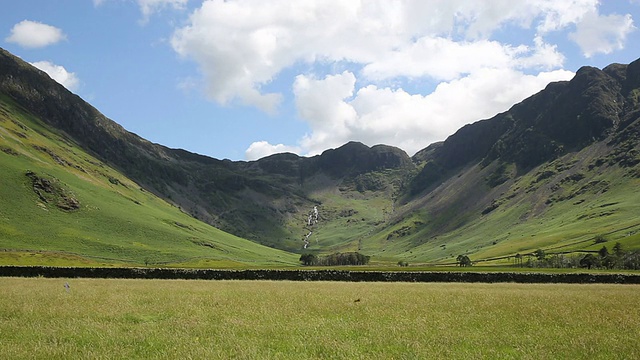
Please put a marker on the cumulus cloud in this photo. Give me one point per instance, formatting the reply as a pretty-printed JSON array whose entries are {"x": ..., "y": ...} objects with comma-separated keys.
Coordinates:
[
  {"x": 260, "y": 149},
  {"x": 444, "y": 59},
  {"x": 557, "y": 15},
  {"x": 602, "y": 34},
  {"x": 410, "y": 121},
  {"x": 322, "y": 104},
  {"x": 59, "y": 74},
  {"x": 243, "y": 47},
  {"x": 33, "y": 34}
]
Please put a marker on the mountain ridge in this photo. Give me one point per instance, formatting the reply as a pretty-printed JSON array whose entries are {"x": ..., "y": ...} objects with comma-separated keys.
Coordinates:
[{"x": 376, "y": 198}]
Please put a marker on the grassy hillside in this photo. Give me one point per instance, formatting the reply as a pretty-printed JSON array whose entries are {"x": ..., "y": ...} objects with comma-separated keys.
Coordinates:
[
  {"x": 552, "y": 173},
  {"x": 559, "y": 207},
  {"x": 61, "y": 206}
]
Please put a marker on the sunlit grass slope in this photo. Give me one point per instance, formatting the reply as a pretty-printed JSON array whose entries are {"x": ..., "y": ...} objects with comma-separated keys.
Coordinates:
[
  {"x": 116, "y": 221},
  {"x": 532, "y": 212}
]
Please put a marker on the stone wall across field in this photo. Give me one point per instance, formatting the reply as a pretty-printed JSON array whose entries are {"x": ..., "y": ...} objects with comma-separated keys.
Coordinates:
[{"x": 318, "y": 275}]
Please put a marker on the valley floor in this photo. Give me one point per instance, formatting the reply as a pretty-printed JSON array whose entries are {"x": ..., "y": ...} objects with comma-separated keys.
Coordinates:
[{"x": 45, "y": 318}]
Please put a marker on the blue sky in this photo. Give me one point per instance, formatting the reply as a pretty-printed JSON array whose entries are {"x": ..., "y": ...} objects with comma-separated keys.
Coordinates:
[{"x": 242, "y": 79}]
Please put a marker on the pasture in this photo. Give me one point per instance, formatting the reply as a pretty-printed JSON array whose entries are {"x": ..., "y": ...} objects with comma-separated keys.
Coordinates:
[{"x": 169, "y": 319}]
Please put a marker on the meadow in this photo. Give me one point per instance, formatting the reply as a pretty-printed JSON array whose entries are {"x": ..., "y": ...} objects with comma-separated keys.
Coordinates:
[{"x": 165, "y": 319}]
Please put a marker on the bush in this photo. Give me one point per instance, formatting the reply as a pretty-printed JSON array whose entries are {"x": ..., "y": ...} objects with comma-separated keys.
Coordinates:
[
  {"x": 589, "y": 261},
  {"x": 463, "y": 260},
  {"x": 350, "y": 258},
  {"x": 599, "y": 239},
  {"x": 540, "y": 254},
  {"x": 308, "y": 259}
]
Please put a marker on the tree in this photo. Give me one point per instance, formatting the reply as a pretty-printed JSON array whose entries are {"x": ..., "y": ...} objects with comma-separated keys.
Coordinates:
[
  {"x": 351, "y": 258},
  {"x": 589, "y": 261},
  {"x": 617, "y": 249},
  {"x": 539, "y": 254},
  {"x": 518, "y": 258},
  {"x": 603, "y": 252},
  {"x": 463, "y": 260},
  {"x": 308, "y": 259},
  {"x": 610, "y": 261},
  {"x": 600, "y": 239}
]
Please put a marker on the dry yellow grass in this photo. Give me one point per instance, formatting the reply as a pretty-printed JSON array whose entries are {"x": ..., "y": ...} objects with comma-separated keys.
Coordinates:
[{"x": 106, "y": 319}]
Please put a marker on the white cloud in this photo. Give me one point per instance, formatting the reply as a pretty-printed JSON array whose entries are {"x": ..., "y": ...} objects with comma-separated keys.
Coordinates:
[
  {"x": 150, "y": 7},
  {"x": 321, "y": 104},
  {"x": 59, "y": 74},
  {"x": 602, "y": 33},
  {"x": 260, "y": 149},
  {"x": 445, "y": 59},
  {"x": 557, "y": 15},
  {"x": 33, "y": 34},
  {"x": 243, "y": 47},
  {"x": 394, "y": 117}
]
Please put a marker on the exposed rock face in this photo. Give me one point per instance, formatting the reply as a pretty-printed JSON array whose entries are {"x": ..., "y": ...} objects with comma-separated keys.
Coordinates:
[
  {"x": 565, "y": 117},
  {"x": 50, "y": 191},
  {"x": 355, "y": 158}
]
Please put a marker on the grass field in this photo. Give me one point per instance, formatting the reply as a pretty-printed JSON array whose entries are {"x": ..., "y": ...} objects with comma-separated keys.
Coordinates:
[{"x": 286, "y": 320}]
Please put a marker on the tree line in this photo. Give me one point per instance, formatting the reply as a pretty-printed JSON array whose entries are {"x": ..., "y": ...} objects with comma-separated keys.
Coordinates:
[
  {"x": 617, "y": 258},
  {"x": 349, "y": 258}
]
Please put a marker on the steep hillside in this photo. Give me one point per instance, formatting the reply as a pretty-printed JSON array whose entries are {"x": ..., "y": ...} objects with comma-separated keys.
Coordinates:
[
  {"x": 553, "y": 172},
  {"x": 61, "y": 206},
  {"x": 254, "y": 200}
]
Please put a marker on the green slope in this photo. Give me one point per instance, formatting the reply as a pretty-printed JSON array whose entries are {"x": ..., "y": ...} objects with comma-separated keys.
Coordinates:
[
  {"x": 559, "y": 207},
  {"x": 116, "y": 222},
  {"x": 552, "y": 172}
]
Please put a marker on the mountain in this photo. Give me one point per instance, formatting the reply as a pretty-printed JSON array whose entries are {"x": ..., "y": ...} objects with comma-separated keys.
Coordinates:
[
  {"x": 61, "y": 205},
  {"x": 552, "y": 172}
]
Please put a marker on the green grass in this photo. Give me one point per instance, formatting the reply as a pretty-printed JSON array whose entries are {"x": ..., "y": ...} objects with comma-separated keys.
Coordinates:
[
  {"x": 527, "y": 221},
  {"x": 345, "y": 218},
  {"x": 118, "y": 223},
  {"x": 320, "y": 320}
]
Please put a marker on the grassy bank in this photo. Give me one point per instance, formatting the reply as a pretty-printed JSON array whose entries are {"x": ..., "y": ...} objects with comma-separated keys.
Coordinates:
[{"x": 248, "y": 319}]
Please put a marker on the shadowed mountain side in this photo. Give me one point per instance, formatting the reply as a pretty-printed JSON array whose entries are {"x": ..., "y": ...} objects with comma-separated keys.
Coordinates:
[
  {"x": 573, "y": 140},
  {"x": 248, "y": 199},
  {"x": 564, "y": 117}
]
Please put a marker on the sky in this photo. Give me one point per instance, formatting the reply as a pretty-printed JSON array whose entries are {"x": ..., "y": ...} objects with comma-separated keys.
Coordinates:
[{"x": 243, "y": 79}]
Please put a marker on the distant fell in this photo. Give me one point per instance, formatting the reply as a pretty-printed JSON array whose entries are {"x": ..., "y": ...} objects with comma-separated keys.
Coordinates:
[{"x": 551, "y": 173}]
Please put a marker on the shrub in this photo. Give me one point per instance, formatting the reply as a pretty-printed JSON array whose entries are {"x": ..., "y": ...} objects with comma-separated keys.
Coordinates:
[
  {"x": 308, "y": 259},
  {"x": 599, "y": 239},
  {"x": 463, "y": 260}
]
